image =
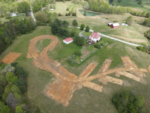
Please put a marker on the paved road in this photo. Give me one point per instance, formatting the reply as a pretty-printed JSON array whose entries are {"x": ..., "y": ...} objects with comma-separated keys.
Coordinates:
[
  {"x": 125, "y": 42},
  {"x": 32, "y": 15},
  {"x": 80, "y": 34}
]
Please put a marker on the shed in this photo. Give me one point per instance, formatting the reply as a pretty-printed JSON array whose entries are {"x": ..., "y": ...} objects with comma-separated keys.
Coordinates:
[
  {"x": 68, "y": 40},
  {"x": 13, "y": 14}
]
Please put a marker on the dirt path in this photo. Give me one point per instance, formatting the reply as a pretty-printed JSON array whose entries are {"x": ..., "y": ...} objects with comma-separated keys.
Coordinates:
[{"x": 67, "y": 83}]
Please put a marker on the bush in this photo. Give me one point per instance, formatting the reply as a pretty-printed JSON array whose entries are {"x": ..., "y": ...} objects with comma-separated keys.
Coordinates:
[
  {"x": 98, "y": 46},
  {"x": 23, "y": 7},
  {"x": 130, "y": 20},
  {"x": 78, "y": 53},
  {"x": 141, "y": 48}
]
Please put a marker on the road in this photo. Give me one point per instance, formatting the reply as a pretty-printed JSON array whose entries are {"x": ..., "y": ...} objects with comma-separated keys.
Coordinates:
[
  {"x": 125, "y": 42},
  {"x": 32, "y": 15}
]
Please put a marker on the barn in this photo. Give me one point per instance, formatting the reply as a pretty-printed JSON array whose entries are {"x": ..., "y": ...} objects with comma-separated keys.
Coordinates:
[
  {"x": 68, "y": 40},
  {"x": 113, "y": 25}
]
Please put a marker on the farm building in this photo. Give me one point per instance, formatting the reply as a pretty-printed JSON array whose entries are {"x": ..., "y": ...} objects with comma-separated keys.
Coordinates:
[
  {"x": 13, "y": 14},
  {"x": 68, "y": 40},
  {"x": 113, "y": 25},
  {"x": 95, "y": 37}
]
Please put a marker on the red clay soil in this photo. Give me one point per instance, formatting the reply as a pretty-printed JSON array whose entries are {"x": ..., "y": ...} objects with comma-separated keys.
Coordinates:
[
  {"x": 11, "y": 57},
  {"x": 67, "y": 83}
]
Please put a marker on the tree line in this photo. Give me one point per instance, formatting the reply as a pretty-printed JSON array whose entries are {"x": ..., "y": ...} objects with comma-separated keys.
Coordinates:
[{"x": 9, "y": 30}]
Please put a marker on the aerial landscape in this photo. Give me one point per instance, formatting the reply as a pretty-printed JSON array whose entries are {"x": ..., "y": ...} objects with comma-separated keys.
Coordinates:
[{"x": 74, "y": 56}]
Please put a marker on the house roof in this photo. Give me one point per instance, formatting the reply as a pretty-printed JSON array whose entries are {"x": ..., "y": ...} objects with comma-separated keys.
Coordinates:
[
  {"x": 95, "y": 35},
  {"x": 68, "y": 39}
]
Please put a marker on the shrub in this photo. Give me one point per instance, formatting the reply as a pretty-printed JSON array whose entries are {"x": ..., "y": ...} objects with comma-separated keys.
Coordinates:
[
  {"x": 78, "y": 53},
  {"x": 98, "y": 46},
  {"x": 130, "y": 20},
  {"x": 41, "y": 17}
]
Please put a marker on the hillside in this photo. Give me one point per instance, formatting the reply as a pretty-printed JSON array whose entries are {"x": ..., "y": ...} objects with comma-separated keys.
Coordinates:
[{"x": 135, "y": 5}]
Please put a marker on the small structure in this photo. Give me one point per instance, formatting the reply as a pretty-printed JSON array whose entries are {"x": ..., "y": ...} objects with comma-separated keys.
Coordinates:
[
  {"x": 95, "y": 37},
  {"x": 68, "y": 40},
  {"x": 113, "y": 25},
  {"x": 124, "y": 24},
  {"x": 13, "y": 14}
]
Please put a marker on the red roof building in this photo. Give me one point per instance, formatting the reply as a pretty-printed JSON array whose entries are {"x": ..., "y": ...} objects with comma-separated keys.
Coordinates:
[
  {"x": 68, "y": 40},
  {"x": 95, "y": 36},
  {"x": 114, "y": 25}
]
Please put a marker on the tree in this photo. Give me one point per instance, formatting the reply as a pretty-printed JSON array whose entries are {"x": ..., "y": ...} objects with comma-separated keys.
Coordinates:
[
  {"x": 130, "y": 20},
  {"x": 22, "y": 85},
  {"x": 10, "y": 77},
  {"x": 140, "y": 2},
  {"x": 41, "y": 17},
  {"x": 74, "y": 23},
  {"x": 55, "y": 28},
  {"x": 7, "y": 40},
  {"x": 82, "y": 27},
  {"x": 79, "y": 40},
  {"x": 87, "y": 28},
  {"x": 4, "y": 108},
  {"x": 23, "y": 7},
  {"x": 15, "y": 89},
  {"x": 65, "y": 24},
  {"x": 19, "y": 110}
]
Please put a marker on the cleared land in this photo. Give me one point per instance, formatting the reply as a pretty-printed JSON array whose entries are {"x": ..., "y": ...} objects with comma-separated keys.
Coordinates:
[
  {"x": 85, "y": 100},
  {"x": 11, "y": 57}
]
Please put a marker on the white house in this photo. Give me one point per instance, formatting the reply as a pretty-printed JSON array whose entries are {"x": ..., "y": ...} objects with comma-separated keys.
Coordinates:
[
  {"x": 95, "y": 37},
  {"x": 13, "y": 14},
  {"x": 68, "y": 40}
]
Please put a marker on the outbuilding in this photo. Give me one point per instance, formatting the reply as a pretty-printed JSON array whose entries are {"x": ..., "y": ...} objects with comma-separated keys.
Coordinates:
[
  {"x": 68, "y": 40},
  {"x": 13, "y": 14},
  {"x": 95, "y": 37},
  {"x": 113, "y": 25}
]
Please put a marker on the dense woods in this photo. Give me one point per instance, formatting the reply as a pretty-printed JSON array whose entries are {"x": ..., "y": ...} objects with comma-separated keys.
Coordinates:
[
  {"x": 128, "y": 102},
  {"x": 13, "y": 87},
  {"x": 9, "y": 30}
]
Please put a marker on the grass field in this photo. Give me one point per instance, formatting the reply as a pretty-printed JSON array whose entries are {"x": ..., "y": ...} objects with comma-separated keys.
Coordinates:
[
  {"x": 134, "y": 33},
  {"x": 134, "y": 4},
  {"x": 84, "y": 100}
]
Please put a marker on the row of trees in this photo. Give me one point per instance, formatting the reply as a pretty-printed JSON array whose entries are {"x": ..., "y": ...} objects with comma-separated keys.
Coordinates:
[
  {"x": 82, "y": 27},
  {"x": 128, "y": 102},
  {"x": 9, "y": 30},
  {"x": 103, "y": 6},
  {"x": 13, "y": 86}
]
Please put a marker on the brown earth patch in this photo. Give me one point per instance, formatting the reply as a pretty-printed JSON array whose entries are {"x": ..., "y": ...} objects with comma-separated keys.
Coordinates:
[
  {"x": 11, "y": 57},
  {"x": 85, "y": 53}
]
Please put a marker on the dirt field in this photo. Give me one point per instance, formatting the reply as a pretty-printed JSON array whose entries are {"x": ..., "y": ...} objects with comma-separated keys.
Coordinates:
[
  {"x": 11, "y": 57},
  {"x": 66, "y": 83}
]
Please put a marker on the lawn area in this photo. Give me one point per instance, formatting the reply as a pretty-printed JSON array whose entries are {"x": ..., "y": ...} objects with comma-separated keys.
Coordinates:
[
  {"x": 61, "y": 7},
  {"x": 85, "y": 100},
  {"x": 87, "y": 34},
  {"x": 134, "y": 4},
  {"x": 132, "y": 33},
  {"x": 41, "y": 44},
  {"x": 4, "y": 19}
]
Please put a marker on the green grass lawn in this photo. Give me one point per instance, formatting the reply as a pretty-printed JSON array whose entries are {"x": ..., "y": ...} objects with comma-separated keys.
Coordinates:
[
  {"x": 87, "y": 34},
  {"x": 41, "y": 44},
  {"x": 134, "y": 4},
  {"x": 85, "y": 100}
]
